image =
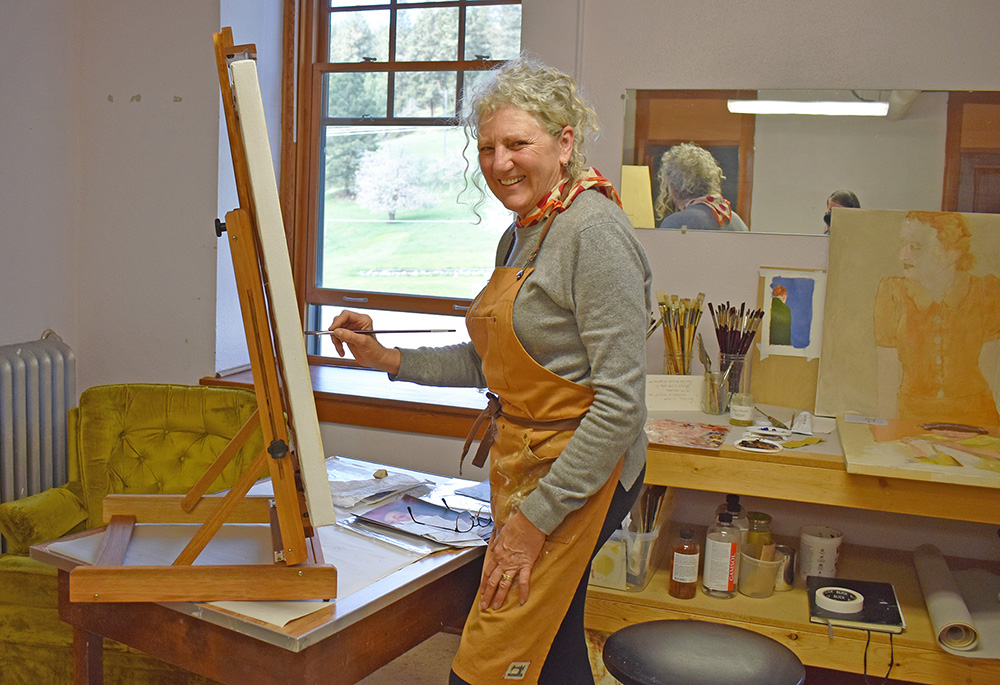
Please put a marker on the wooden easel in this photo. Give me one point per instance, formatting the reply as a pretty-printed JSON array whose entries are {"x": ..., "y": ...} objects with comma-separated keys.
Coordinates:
[{"x": 298, "y": 571}]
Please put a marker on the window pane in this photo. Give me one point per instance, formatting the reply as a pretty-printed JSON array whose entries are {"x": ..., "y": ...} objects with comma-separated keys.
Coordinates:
[
  {"x": 427, "y": 35},
  {"x": 474, "y": 78},
  {"x": 391, "y": 221},
  {"x": 493, "y": 30},
  {"x": 386, "y": 320},
  {"x": 356, "y": 35},
  {"x": 425, "y": 94},
  {"x": 356, "y": 3},
  {"x": 356, "y": 94}
]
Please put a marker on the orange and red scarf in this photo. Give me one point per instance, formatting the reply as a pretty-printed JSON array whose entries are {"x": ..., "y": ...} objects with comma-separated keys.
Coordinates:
[
  {"x": 719, "y": 206},
  {"x": 556, "y": 202}
]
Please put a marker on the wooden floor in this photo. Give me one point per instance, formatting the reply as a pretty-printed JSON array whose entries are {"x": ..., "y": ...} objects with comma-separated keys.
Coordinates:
[
  {"x": 823, "y": 676},
  {"x": 430, "y": 662}
]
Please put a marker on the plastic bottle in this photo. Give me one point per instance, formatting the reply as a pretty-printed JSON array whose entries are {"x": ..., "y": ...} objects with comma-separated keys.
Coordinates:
[
  {"x": 733, "y": 506},
  {"x": 684, "y": 566},
  {"x": 740, "y": 520},
  {"x": 722, "y": 554},
  {"x": 725, "y": 505}
]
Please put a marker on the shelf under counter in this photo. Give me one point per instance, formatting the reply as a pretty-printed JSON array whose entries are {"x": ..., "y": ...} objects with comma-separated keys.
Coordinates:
[
  {"x": 816, "y": 478},
  {"x": 784, "y": 616}
]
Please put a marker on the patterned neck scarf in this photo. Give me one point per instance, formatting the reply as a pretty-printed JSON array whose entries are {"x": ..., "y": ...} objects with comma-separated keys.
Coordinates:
[
  {"x": 718, "y": 204},
  {"x": 560, "y": 198}
]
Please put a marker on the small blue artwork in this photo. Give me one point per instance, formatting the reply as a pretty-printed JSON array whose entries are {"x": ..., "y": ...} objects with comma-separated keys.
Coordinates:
[{"x": 791, "y": 311}]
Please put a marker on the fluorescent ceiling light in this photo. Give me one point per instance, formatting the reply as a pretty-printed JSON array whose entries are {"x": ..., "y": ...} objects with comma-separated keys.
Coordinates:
[{"x": 857, "y": 109}]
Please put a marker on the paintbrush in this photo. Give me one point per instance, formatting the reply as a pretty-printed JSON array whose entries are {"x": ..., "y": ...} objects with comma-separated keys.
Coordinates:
[
  {"x": 774, "y": 422},
  {"x": 425, "y": 330}
]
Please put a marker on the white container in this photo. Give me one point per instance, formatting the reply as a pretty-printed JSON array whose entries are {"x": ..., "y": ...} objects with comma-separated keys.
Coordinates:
[{"x": 819, "y": 548}]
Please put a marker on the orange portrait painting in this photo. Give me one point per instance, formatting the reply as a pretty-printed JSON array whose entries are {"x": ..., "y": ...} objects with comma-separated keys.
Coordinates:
[{"x": 910, "y": 345}]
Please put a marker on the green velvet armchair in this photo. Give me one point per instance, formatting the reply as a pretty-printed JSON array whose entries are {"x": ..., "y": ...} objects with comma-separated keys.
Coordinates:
[{"x": 123, "y": 439}]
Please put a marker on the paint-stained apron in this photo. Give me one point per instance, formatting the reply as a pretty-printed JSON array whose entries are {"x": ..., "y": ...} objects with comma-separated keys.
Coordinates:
[{"x": 534, "y": 413}]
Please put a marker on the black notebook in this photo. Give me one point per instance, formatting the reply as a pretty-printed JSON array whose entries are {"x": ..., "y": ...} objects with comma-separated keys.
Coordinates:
[{"x": 879, "y": 608}]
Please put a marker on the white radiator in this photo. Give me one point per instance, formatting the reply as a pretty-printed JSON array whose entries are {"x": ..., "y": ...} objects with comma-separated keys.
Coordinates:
[{"x": 37, "y": 388}]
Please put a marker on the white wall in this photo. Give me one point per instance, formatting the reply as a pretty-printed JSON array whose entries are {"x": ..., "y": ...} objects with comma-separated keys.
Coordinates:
[
  {"x": 109, "y": 189},
  {"x": 40, "y": 152},
  {"x": 146, "y": 248},
  {"x": 891, "y": 164},
  {"x": 258, "y": 22}
]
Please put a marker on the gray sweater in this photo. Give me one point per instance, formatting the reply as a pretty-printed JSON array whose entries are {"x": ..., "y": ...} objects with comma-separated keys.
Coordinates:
[
  {"x": 700, "y": 218},
  {"x": 582, "y": 314}
]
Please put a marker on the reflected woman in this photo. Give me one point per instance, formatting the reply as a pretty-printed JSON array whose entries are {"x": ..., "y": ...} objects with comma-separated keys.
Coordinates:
[
  {"x": 691, "y": 182},
  {"x": 931, "y": 325}
]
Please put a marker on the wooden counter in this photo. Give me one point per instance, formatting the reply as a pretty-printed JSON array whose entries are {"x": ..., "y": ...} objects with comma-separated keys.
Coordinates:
[{"x": 814, "y": 478}]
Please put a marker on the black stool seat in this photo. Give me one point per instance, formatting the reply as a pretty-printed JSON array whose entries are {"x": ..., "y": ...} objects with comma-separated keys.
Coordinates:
[{"x": 684, "y": 652}]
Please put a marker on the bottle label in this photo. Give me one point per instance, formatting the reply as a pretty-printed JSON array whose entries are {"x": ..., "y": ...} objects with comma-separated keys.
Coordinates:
[
  {"x": 720, "y": 564},
  {"x": 741, "y": 412},
  {"x": 685, "y": 569}
]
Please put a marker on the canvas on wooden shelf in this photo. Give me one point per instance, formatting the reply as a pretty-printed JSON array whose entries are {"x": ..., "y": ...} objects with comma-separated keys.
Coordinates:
[{"x": 910, "y": 344}]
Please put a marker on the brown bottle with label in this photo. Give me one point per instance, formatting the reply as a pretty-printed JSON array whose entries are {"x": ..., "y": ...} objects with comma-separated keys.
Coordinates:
[{"x": 685, "y": 555}]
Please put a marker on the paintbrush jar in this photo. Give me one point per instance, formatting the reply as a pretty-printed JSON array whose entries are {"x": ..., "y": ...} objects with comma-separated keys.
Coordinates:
[{"x": 741, "y": 404}]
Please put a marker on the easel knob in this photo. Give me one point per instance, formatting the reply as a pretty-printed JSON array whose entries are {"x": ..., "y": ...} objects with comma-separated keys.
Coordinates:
[
  {"x": 220, "y": 228},
  {"x": 277, "y": 449}
]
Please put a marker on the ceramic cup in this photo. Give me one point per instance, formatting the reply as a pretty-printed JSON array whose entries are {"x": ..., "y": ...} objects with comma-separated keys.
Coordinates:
[{"x": 819, "y": 547}]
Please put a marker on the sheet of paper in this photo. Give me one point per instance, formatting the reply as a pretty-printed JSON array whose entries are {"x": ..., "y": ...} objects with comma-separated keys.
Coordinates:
[
  {"x": 360, "y": 561},
  {"x": 355, "y": 484},
  {"x": 674, "y": 393},
  {"x": 705, "y": 436},
  {"x": 637, "y": 196}
]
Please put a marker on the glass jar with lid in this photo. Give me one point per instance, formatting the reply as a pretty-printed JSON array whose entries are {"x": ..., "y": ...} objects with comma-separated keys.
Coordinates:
[{"x": 759, "y": 533}]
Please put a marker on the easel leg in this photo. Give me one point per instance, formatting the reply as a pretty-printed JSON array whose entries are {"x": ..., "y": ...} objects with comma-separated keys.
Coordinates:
[{"x": 88, "y": 657}]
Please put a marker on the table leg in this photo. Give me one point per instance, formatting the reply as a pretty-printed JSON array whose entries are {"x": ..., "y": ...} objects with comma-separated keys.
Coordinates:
[{"x": 88, "y": 657}]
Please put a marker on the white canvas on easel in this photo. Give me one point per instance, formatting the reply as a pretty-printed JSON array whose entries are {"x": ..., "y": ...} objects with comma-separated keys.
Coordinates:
[{"x": 308, "y": 444}]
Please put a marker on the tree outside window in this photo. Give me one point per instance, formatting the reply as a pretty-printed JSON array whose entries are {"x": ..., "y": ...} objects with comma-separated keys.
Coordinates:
[{"x": 398, "y": 227}]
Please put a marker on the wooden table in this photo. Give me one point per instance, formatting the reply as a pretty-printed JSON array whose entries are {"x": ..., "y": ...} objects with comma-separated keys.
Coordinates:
[{"x": 341, "y": 643}]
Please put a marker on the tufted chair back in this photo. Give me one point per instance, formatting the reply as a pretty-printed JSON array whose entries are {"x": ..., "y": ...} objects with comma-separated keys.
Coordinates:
[{"x": 143, "y": 438}]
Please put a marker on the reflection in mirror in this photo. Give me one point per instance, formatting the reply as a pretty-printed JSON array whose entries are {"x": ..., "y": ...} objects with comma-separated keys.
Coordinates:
[{"x": 935, "y": 150}]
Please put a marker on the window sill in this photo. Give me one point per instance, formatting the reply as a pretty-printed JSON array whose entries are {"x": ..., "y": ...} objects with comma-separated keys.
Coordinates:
[{"x": 361, "y": 397}]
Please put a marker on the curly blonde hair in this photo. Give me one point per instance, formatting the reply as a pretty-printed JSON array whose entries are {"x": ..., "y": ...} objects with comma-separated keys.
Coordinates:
[
  {"x": 547, "y": 93},
  {"x": 691, "y": 171}
]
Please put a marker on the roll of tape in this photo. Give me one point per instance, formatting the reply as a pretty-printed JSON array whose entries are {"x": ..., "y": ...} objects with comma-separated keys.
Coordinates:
[{"x": 839, "y": 600}]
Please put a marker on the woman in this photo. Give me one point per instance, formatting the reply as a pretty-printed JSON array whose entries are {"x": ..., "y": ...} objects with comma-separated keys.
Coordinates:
[
  {"x": 558, "y": 336},
  {"x": 839, "y": 198},
  {"x": 691, "y": 181},
  {"x": 931, "y": 324},
  {"x": 780, "y": 331}
]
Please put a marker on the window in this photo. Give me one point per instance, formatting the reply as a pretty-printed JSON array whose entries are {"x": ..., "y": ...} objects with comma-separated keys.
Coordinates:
[{"x": 387, "y": 231}]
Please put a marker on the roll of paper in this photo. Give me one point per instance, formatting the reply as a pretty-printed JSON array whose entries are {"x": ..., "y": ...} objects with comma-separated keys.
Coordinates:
[{"x": 949, "y": 614}]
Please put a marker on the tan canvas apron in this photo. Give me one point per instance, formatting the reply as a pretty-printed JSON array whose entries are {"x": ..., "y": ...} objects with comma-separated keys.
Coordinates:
[{"x": 511, "y": 643}]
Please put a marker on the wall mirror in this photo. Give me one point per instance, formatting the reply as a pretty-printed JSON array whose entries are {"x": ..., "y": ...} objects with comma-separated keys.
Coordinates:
[{"x": 934, "y": 150}]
